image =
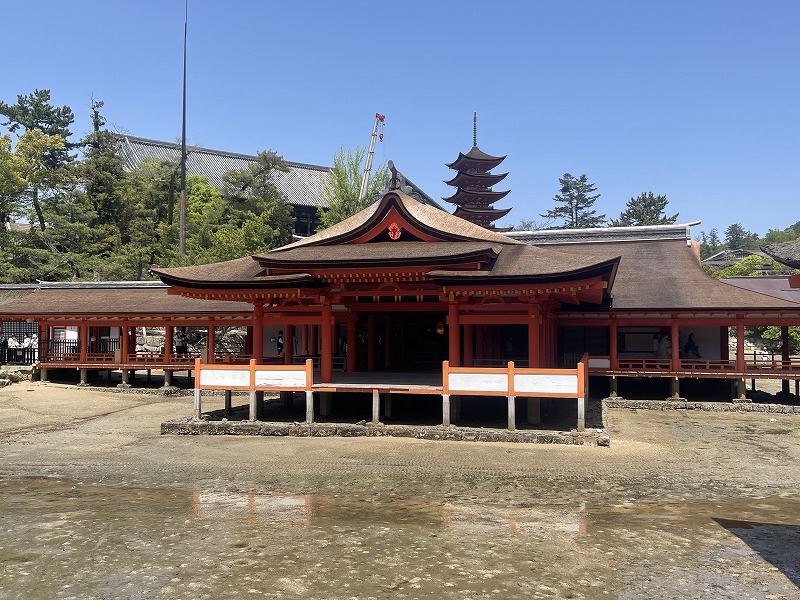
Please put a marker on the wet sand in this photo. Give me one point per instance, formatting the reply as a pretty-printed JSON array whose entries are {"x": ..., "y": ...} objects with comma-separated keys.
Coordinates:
[{"x": 94, "y": 503}]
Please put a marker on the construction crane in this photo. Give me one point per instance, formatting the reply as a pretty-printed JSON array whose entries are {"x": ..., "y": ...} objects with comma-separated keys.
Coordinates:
[{"x": 379, "y": 118}]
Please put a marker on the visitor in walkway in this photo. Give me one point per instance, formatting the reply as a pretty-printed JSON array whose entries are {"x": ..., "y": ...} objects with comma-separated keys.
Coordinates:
[{"x": 690, "y": 349}]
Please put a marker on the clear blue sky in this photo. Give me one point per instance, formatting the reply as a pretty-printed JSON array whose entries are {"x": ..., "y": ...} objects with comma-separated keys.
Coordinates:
[{"x": 697, "y": 100}]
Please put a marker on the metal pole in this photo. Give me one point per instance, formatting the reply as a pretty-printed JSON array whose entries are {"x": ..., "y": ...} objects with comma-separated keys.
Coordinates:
[{"x": 182, "y": 218}]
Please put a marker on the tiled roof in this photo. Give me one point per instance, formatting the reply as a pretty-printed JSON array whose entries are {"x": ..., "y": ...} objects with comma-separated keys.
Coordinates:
[
  {"x": 787, "y": 253},
  {"x": 302, "y": 184}
]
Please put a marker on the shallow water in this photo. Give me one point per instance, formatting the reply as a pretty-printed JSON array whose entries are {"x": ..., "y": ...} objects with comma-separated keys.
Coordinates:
[{"x": 62, "y": 539}]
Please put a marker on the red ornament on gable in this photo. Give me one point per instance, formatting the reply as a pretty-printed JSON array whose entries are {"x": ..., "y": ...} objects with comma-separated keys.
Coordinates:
[{"x": 394, "y": 231}]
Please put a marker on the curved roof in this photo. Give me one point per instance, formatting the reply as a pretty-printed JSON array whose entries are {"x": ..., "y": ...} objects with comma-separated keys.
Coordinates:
[
  {"x": 485, "y": 180},
  {"x": 444, "y": 246},
  {"x": 475, "y": 197},
  {"x": 787, "y": 253},
  {"x": 445, "y": 225},
  {"x": 667, "y": 275},
  {"x": 475, "y": 158}
]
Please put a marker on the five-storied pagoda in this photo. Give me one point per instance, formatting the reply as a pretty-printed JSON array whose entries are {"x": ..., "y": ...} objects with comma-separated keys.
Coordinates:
[{"x": 474, "y": 196}]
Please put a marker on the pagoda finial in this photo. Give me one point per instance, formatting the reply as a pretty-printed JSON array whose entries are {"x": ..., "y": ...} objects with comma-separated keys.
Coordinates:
[{"x": 475, "y": 129}]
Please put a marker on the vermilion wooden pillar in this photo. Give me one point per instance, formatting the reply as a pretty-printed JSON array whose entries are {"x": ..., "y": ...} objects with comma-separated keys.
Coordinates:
[
  {"x": 84, "y": 334},
  {"x": 124, "y": 332},
  {"x": 468, "y": 337},
  {"x": 371, "y": 346},
  {"x": 675, "y": 338},
  {"x": 352, "y": 343},
  {"x": 258, "y": 333},
  {"x": 211, "y": 342},
  {"x": 740, "y": 347},
  {"x": 453, "y": 334},
  {"x": 326, "y": 359},
  {"x": 534, "y": 331},
  {"x": 168, "y": 337}
]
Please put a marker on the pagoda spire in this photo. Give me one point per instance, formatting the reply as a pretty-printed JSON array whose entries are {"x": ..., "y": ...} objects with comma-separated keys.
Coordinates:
[{"x": 473, "y": 182}]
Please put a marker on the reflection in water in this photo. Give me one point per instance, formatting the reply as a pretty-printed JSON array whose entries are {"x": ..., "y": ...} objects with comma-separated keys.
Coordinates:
[
  {"x": 319, "y": 511},
  {"x": 61, "y": 539}
]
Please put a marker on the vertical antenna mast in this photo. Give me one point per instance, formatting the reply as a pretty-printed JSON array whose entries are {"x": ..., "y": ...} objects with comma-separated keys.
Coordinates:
[{"x": 182, "y": 218}]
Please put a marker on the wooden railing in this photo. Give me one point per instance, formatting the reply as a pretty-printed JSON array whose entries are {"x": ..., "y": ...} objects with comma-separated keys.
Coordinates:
[{"x": 693, "y": 366}]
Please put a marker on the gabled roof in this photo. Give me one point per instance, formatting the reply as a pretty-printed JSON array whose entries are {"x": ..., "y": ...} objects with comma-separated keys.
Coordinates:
[
  {"x": 438, "y": 223},
  {"x": 445, "y": 247}
]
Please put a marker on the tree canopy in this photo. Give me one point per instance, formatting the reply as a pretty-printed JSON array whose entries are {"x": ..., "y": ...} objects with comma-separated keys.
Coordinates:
[
  {"x": 84, "y": 217},
  {"x": 574, "y": 204},
  {"x": 344, "y": 185},
  {"x": 645, "y": 209}
]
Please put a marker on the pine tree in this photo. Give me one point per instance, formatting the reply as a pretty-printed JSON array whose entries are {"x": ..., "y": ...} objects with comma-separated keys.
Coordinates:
[
  {"x": 645, "y": 209},
  {"x": 577, "y": 198}
]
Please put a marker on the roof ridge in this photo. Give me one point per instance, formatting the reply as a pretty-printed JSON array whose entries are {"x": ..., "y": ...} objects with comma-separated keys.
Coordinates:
[{"x": 177, "y": 146}]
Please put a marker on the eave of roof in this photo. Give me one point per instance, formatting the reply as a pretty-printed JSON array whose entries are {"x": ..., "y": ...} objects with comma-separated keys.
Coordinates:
[
  {"x": 380, "y": 254},
  {"x": 787, "y": 253}
]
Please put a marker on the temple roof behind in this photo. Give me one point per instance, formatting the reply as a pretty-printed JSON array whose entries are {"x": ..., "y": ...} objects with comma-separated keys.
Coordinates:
[
  {"x": 787, "y": 253},
  {"x": 302, "y": 184}
]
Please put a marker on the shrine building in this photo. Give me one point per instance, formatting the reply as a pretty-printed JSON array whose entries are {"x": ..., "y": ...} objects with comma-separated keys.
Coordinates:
[{"x": 382, "y": 300}]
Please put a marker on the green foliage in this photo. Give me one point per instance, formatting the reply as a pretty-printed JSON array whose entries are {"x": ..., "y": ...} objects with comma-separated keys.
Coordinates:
[
  {"x": 771, "y": 338},
  {"x": 645, "y": 209},
  {"x": 576, "y": 199},
  {"x": 709, "y": 244},
  {"x": 12, "y": 180},
  {"x": 738, "y": 238},
  {"x": 777, "y": 236},
  {"x": 752, "y": 266},
  {"x": 344, "y": 185}
]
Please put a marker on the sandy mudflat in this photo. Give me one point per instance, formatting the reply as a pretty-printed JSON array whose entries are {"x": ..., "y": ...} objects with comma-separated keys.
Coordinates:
[{"x": 95, "y": 503}]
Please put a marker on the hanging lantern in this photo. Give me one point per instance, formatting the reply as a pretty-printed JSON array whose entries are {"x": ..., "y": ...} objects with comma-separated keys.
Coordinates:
[{"x": 440, "y": 328}]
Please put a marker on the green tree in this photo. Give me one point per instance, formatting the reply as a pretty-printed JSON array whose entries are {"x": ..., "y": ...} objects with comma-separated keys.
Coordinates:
[
  {"x": 12, "y": 180},
  {"x": 576, "y": 199},
  {"x": 752, "y": 266},
  {"x": 738, "y": 238},
  {"x": 709, "y": 244},
  {"x": 777, "y": 236},
  {"x": 34, "y": 113},
  {"x": 645, "y": 209},
  {"x": 344, "y": 185},
  {"x": 254, "y": 213}
]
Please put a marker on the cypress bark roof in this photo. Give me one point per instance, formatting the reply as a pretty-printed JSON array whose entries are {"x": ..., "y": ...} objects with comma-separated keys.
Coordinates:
[
  {"x": 114, "y": 299},
  {"x": 450, "y": 243},
  {"x": 666, "y": 274}
]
